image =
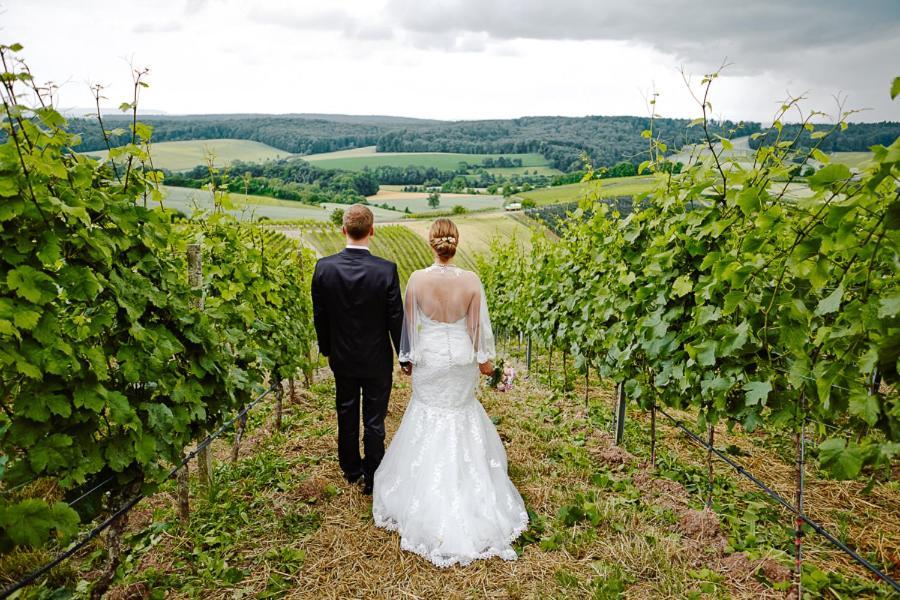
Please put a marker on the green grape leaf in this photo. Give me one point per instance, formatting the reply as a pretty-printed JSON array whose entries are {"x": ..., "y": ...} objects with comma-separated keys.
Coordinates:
[
  {"x": 31, "y": 522},
  {"x": 682, "y": 286},
  {"x": 31, "y": 284},
  {"x": 828, "y": 175},
  {"x": 26, "y": 319},
  {"x": 47, "y": 453},
  {"x": 842, "y": 460},
  {"x": 889, "y": 306},
  {"x": 895, "y": 88},
  {"x": 831, "y": 302},
  {"x": 864, "y": 405},
  {"x": 757, "y": 392}
]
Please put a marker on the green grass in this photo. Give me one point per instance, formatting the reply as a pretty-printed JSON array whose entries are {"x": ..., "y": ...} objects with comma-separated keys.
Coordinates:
[
  {"x": 857, "y": 160},
  {"x": 620, "y": 186},
  {"x": 183, "y": 155},
  {"x": 477, "y": 231},
  {"x": 280, "y": 521},
  {"x": 360, "y": 158},
  {"x": 245, "y": 207},
  {"x": 418, "y": 203},
  {"x": 510, "y": 171},
  {"x": 250, "y": 207}
]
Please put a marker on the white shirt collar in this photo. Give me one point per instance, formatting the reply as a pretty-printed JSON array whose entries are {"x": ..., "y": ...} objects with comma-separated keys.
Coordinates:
[{"x": 355, "y": 247}]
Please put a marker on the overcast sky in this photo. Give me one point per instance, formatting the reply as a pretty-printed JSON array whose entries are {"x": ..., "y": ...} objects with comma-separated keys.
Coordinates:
[{"x": 464, "y": 59}]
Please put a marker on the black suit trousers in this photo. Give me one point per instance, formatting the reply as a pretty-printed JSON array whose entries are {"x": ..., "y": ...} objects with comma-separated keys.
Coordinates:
[{"x": 375, "y": 392}]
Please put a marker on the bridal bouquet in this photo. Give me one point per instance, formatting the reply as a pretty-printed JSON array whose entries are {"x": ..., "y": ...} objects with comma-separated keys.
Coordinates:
[{"x": 503, "y": 377}]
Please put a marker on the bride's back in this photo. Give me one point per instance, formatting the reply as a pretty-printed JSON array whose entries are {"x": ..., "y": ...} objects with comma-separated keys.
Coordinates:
[{"x": 444, "y": 293}]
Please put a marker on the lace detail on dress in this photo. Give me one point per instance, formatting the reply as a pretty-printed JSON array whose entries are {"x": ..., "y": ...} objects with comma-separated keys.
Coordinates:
[{"x": 443, "y": 483}]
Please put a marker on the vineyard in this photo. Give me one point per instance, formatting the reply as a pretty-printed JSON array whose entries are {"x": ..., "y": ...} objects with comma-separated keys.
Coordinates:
[
  {"x": 732, "y": 304},
  {"x": 125, "y": 337},
  {"x": 707, "y": 403},
  {"x": 393, "y": 242}
]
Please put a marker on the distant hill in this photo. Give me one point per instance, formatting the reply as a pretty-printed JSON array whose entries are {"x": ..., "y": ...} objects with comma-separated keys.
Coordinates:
[
  {"x": 560, "y": 140},
  {"x": 334, "y": 118}
]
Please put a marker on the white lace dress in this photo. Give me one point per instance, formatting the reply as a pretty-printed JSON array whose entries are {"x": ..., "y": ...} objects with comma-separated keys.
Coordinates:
[{"x": 443, "y": 483}]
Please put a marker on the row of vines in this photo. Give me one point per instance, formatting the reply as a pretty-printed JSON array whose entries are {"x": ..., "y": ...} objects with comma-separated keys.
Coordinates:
[
  {"x": 111, "y": 362},
  {"x": 728, "y": 294},
  {"x": 393, "y": 242}
]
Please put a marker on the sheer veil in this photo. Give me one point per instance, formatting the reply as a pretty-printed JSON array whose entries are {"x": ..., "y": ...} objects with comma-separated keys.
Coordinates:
[{"x": 446, "y": 294}]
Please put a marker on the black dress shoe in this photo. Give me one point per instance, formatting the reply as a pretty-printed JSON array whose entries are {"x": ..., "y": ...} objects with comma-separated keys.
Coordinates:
[{"x": 368, "y": 484}]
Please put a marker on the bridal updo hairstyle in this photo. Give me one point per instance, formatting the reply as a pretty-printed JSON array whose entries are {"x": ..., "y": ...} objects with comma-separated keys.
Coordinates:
[{"x": 444, "y": 237}]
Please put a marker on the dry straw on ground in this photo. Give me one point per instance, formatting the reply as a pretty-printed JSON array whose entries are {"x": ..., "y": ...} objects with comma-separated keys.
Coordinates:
[{"x": 347, "y": 557}]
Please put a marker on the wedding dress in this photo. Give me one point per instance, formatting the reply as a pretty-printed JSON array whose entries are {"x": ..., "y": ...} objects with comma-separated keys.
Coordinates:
[{"x": 443, "y": 483}]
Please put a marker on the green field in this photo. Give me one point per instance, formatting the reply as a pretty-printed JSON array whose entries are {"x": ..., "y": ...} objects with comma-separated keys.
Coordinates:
[
  {"x": 477, "y": 231},
  {"x": 620, "y": 186},
  {"x": 418, "y": 203},
  {"x": 510, "y": 171},
  {"x": 854, "y": 160},
  {"x": 360, "y": 158},
  {"x": 249, "y": 207},
  {"x": 244, "y": 207},
  {"x": 180, "y": 156},
  {"x": 406, "y": 244}
]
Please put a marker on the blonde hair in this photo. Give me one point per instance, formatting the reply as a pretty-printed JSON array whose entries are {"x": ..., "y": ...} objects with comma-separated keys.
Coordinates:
[
  {"x": 444, "y": 237},
  {"x": 358, "y": 221}
]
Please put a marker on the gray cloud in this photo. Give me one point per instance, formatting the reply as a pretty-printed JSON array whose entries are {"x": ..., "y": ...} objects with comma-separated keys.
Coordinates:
[
  {"x": 330, "y": 19},
  {"x": 683, "y": 27},
  {"x": 831, "y": 46}
]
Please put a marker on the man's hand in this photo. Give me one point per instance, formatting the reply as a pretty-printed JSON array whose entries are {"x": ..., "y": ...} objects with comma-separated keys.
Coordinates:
[
  {"x": 486, "y": 368},
  {"x": 406, "y": 368}
]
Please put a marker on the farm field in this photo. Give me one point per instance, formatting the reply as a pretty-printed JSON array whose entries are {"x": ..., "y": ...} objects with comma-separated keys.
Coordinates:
[
  {"x": 620, "y": 186},
  {"x": 477, "y": 231},
  {"x": 854, "y": 160},
  {"x": 246, "y": 207},
  {"x": 357, "y": 159},
  {"x": 510, "y": 171},
  {"x": 406, "y": 242},
  {"x": 183, "y": 155},
  {"x": 379, "y": 213},
  {"x": 417, "y": 202},
  {"x": 393, "y": 242}
]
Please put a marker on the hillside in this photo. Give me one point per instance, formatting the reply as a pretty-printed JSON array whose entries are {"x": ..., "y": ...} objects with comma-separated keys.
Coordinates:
[
  {"x": 187, "y": 154},
  {"x": 560, "y": 140}
]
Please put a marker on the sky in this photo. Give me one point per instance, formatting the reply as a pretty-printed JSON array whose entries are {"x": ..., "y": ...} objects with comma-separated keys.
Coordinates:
[{"x": 466, "y": 59}]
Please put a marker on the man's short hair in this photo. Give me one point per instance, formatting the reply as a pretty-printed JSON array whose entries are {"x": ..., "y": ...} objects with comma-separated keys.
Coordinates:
[{"x": 358, "y": 221}]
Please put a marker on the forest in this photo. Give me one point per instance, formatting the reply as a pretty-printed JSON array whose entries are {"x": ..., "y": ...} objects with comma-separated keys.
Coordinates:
[{"x": 563, "y": 141}]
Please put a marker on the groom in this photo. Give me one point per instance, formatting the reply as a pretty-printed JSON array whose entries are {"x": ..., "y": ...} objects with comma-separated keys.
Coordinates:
[{"x": 358, "y": 313}]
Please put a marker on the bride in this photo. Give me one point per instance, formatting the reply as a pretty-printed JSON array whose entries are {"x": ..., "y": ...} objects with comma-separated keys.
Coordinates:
[{"x": 443, "y": 483}]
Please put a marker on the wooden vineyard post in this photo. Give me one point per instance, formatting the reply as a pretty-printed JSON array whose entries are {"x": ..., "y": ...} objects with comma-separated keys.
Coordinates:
[
  {"x": 183, "y": 494},
  {"x": 528, "y": 355},
  {"x": 238, "y": 436},
  {"x": 587, "y": 383},
  {"x": 798, "y": 496},
  {"x": 550, "y": 364},
  {"x": 195, "y": 280},
  {"x": 653, "y": 435},
  {"x": 710, "y": 439},
  {"x": 620, "y": 413},
  {"x": 279, "y": 404}
]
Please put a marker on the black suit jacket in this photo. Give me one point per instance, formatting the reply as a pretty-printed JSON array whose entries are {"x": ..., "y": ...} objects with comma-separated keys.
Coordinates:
[{"x": 357, "y": 312}]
